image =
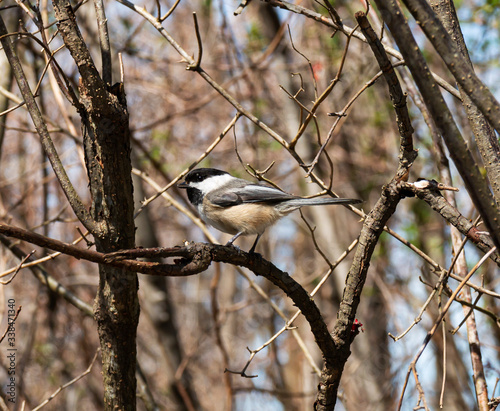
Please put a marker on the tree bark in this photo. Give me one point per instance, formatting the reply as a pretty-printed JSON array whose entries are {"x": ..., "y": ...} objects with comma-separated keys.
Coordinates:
[
  {"x": 106, "y": 139},
  {"x": 486, "y": 141}
]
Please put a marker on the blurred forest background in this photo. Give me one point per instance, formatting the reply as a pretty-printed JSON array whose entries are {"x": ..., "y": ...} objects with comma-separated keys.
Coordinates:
[{"x": 275, "y": 63}]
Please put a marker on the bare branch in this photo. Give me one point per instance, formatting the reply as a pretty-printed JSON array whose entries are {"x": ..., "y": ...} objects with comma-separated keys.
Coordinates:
[
  {"x": 20, "y": 265},
  {"x": 350, "y": 31},
  {"x": 373, "y": 226},
  {"x": 11, "y": 322},
  {"x": 438, "y": 203},
  {"x": 170, "y": 11},
  {"x": 52, "y": 284},
  {"x": 467, "y": 167},
  {"x": 68, "y": 189},
  {"x": 486, "y": 140},
  {"x": 62, "y": 387},
  {"x": 461, "y": 69},
  {"x": 196, "y": 65},
  {"x": 431, "y": 333},
  {"x": 102, "y": 25},
  {"x": 395, "y": 91}
]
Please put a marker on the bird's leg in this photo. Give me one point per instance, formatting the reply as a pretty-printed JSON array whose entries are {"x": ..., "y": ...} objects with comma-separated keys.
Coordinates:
[
  {"x": 252, "y": 250},
  {"x": 231, "y": 241}
]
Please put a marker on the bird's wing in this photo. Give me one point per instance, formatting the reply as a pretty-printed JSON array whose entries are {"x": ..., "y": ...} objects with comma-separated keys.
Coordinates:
[
  {"x": 255, "y": 193},
  {"x": 251, "y": 193},
  {"x": 224, "y": 199}
]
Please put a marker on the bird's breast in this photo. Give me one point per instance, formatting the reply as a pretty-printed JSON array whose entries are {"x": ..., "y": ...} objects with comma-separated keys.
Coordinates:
[{"x": 249, "y": 218}]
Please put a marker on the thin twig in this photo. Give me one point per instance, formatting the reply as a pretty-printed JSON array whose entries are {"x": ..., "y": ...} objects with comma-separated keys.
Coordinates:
[
  {"x": 11, "y": 323},
  {"x": 13, "y": 108},
  {"x": 294, "y": 8},
  {"x": 168, "y": 13},
  {"x": 440, "y": 318},
  {"x": 196, "y": 65},
  {"x": 243, "y": 4},
  {"x": 62, "y": 387},
  {"x": 442, "y": 279},
  {"x": 421, "y": 393},
  {"x": 313, "y": 77},
  {"x": 443, "y": 331},
  {"x": 472, "y": 306},
  {"x": 323, "y": 96},
  {"x": 122, "y": 68},
  {"x": 20, "y": 265}
]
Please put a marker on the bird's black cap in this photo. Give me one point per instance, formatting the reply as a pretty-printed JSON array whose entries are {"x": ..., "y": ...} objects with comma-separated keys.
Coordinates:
[{"x": 200, "y": 174}]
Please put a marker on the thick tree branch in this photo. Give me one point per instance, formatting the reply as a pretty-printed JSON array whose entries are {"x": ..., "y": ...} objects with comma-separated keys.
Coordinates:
[
  {"x": 398, "y": 98},
  {"x": 373, "y": 227},
  {"x": 342, "y": 333},
  {"x": 106, "y": 131},
  {"x": 454, "y": 60},
  {"x": 486, "y": 140},
  {"x": 73, "y": 40},
  {"x": 195, "y": 258},
  {"x": 432, "y": 196},
  {"x": 474, "y": 181},
  {"x": 45, "y": 278},
  {"x": 197, "y": 264}
]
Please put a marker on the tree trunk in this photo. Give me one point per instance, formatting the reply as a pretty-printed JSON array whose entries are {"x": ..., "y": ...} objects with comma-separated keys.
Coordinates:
[{"x": 106, "y": 139}]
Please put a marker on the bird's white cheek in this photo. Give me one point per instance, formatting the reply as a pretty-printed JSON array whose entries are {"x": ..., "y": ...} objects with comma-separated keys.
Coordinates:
[{"x": 212, "y": 183}]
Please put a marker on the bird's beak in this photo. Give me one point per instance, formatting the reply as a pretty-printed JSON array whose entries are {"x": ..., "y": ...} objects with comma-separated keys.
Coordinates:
[{"x": 183, "y": 185}]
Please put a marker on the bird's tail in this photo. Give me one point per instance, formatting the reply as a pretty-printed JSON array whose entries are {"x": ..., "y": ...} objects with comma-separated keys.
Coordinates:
[{"x": 295, "y": 203}]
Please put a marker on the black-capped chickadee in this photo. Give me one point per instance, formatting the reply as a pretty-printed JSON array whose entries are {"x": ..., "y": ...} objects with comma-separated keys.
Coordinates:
[{"x": 239, "y": 207}]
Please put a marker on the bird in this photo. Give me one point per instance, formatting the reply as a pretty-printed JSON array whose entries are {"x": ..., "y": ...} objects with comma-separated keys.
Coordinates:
[{"x": 237, "y": 206}]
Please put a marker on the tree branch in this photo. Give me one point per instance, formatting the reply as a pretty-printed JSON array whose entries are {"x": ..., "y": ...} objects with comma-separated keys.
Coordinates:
[
  {"x": 106, "y": 140},
  {"x": 398, "y": 98},
  {"x": 74, "y": 200},
  {"x": 431, "y": 195},
  {"x": 486, "y": 140},
  {"x": 73, "y": 40},
  {"x": 196, "y": 258},
  {"x": 102, "y": 24},
  {"x": 474, "y": 181},
  {"x": 350, "y": 31},
  {"x": 454, "y": 60},
  {"x": 45, "y": 278},
  {"x": 373, "y": 226},
  {"x": 370, "y": 233}
]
